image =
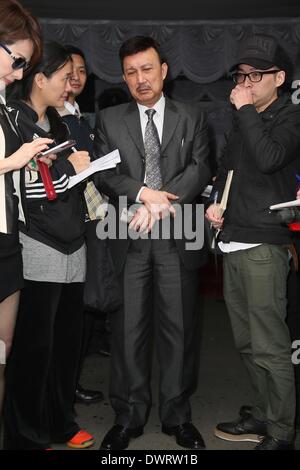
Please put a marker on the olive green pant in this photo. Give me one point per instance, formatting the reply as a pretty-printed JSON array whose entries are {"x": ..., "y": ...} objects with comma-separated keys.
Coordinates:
[{"x": 255, "y": 294}]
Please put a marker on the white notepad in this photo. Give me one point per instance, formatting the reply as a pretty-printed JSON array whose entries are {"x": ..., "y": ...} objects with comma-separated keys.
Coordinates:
[{"x": 110, "y": 160}]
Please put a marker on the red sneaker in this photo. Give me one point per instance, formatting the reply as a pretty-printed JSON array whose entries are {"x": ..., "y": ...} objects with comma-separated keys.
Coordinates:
[{"x": 81, "y": 440}]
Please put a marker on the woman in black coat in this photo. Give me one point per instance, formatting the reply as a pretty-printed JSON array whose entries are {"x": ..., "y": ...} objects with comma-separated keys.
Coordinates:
[
  {"x": 43, "y": 368},
  {"x": 20, "y": 47}
]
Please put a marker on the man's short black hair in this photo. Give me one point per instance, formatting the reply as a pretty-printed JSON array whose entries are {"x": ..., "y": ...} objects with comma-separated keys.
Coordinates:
[
  {"x": 75, "y": 50},
  {"x": 139, "y": 44}
]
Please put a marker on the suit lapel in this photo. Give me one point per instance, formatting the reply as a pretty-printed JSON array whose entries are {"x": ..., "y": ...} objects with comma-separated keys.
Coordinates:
[
  {"x": 132, "y": 119},
  {"x": 171, "y": 118}
]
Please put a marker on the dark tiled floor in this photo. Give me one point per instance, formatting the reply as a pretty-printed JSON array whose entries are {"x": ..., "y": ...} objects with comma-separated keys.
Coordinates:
[{"x": 223, "y": 387}]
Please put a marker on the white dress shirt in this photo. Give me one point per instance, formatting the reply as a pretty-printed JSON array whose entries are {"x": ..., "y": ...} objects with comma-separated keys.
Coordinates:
[
  {"x": 236, "y": 246},
  {"x": 69, "y": 108},
  {"x": 158, "y": 119}
]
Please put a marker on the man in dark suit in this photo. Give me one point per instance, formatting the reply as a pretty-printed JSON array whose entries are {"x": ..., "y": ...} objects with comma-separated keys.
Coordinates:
[{"x": 164, "y": 151}]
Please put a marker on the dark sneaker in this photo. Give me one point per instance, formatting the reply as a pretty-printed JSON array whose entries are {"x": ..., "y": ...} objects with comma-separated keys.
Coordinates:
[
  {"x": 271, "y": 443},
  {"x": 243, "y": 429}
]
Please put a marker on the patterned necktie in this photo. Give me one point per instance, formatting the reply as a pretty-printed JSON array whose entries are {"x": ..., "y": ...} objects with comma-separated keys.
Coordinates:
[{"x": 152, "y": 153}]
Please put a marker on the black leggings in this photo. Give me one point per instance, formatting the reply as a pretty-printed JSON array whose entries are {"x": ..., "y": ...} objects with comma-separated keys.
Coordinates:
[{"x": 42, "y": 370}]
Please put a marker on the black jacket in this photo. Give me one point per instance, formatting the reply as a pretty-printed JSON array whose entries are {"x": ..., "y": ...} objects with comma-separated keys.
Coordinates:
[
  {"x": 263, "y": 150},
  {"x": 58, "y": 223},
  {"x": 13, "y": 142},
  {"x": 81, "y": 131}
]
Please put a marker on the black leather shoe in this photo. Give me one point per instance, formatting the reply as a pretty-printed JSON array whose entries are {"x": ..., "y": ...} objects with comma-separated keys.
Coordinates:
[
  {"x": 118, "y": 437},
  {"x": 271, "y": 443},
  {"x": 87, "y": 396},
  {"x": 243, "y": 429},
  {"x": 186, "y": 435}
]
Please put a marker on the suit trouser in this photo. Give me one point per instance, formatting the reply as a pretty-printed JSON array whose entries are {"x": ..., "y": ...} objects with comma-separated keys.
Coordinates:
[
  {"x": 43, "y": 367},
  {"x": 157, "y": 290},
  {"x": 255, "y": 294}
]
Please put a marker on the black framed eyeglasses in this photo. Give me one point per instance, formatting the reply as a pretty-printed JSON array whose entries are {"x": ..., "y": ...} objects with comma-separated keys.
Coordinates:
[
  {"x": 18, "y": 62},
  {"x": 254, "y": 77}
]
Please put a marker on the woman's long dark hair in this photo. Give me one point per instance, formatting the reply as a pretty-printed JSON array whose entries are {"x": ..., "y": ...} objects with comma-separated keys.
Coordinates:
[{"x": 54, "y": 57}]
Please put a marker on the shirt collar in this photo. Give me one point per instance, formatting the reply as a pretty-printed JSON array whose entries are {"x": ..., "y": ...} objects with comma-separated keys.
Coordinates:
[
  {"x": 72, "y": 109},
  {"x": 159, "y": 107}
]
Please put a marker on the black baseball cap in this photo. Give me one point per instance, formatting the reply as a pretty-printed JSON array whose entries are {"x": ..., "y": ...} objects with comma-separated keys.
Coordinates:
[{"x": 262, "y": 52}]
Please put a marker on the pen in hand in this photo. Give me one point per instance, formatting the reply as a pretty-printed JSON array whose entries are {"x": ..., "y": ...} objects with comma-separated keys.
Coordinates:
[
  {"x": 80, "y": 159},
  {"x": 215, "y": 203}
]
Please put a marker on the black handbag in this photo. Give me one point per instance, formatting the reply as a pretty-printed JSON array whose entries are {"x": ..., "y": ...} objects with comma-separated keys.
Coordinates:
[{"x": 102, "y": 291}]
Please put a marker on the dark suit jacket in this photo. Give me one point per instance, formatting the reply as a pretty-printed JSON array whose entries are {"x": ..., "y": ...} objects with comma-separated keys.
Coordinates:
[{"x": 184, "y": 161}]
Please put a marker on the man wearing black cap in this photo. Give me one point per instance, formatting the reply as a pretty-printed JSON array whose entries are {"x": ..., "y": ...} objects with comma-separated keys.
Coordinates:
[{"x": 263, "y": 151}]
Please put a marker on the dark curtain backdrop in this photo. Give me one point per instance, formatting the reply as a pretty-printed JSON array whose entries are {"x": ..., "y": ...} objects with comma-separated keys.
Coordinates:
[
  {"x": 202, "y": 51},
  {"x": 199, "y": 54}
]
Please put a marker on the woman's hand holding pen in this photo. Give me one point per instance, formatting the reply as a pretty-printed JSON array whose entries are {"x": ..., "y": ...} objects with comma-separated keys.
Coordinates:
[{"x": 80, "y": 160}]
